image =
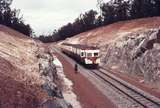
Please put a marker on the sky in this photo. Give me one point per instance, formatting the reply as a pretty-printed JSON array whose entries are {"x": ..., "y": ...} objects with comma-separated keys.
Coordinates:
[{"x": 46, "y": 15}]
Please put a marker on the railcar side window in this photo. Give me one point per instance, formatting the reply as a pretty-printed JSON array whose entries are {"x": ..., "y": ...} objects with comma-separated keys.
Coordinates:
[
  {"x": 95, "y": 54},
  {"x": 82, "y": 54}
]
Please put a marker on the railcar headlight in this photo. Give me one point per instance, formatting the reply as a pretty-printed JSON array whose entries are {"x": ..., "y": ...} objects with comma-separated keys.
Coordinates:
[
  {"x": 87, "y": 61},
  {"x": 98, "y": 60}
]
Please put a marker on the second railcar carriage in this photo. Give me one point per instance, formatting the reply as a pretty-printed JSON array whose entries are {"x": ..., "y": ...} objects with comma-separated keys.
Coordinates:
[{"x": 85, "y": 54}]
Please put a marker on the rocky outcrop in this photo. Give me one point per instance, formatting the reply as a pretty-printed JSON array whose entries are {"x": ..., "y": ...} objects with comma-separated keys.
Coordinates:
[
  {"x": 48, "y": 72},
  {"x": 137, "y": 53}
]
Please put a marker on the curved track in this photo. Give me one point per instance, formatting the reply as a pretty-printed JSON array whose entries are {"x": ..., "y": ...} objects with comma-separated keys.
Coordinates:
[{"x": 138, "y": 96}]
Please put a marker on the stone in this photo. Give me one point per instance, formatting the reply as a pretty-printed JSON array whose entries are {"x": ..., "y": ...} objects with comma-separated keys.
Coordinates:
[
  {"x": 136, "y": 55},
  {"x": 49, "y": 73},
  {"x": 56, "y": 103}
]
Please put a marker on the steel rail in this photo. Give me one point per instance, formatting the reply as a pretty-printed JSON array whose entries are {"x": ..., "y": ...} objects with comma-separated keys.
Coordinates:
[{"x": 126, "y": 87}]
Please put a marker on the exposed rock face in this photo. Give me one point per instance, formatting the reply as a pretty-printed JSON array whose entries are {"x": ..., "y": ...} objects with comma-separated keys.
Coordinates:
[
  {"x": 135, "y": 53},
  {"x": 49, "y": 74},
  {"x": 57, "y": 103}
]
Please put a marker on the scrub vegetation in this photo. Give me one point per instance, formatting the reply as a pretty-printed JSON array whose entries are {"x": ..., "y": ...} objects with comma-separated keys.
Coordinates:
[{"x": 12, "y": 18}]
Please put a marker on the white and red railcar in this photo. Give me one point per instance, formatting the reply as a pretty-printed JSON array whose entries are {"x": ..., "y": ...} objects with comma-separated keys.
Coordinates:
[{"x": 87, "y": 55}]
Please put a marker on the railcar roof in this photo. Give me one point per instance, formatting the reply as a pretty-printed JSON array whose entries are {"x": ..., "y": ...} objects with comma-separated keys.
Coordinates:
[{"x": 81, "y": 46}]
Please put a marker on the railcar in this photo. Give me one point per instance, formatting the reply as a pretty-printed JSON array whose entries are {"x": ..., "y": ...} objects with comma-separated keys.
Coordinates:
[{"x": 87, "y": 55}]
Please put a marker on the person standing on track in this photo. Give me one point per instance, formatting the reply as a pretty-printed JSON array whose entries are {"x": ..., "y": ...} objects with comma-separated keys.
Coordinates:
[{"x": 76, "y": 68}]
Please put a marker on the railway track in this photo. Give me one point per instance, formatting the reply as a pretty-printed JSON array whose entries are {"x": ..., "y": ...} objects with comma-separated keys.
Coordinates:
[{"x": 139, "y": 97}]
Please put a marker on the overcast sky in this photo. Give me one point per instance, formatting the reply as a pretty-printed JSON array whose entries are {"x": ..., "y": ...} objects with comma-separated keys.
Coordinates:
[{"x": 46, "y": 15}]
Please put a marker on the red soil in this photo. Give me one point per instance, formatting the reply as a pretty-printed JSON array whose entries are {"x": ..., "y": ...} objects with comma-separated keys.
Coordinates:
[
  {"x": 18, "y": 87},
  {"x": 135, "y": 80},
  {"x": 14, "y": 93},
  {"x": 109, "y": 32}
]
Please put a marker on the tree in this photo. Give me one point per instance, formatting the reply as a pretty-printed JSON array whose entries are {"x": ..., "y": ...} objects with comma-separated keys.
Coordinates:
[
  {"x": 142, "y": 8},
  {"x": 66, "y": 31},
  {"x": 99, "y": 21},
  {"x": 156, "y": 7},
  {"x": 4, "y": 10},
  {"x": 108, "y": 13},
  {"x": 89, "y": 19},
  {"x": 121, "y": 10},
  {"x": 11, "y": 18}
]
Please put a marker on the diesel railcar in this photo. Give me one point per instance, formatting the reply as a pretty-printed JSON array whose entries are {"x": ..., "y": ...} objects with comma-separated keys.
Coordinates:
[{"x": 87, "y": 55}]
